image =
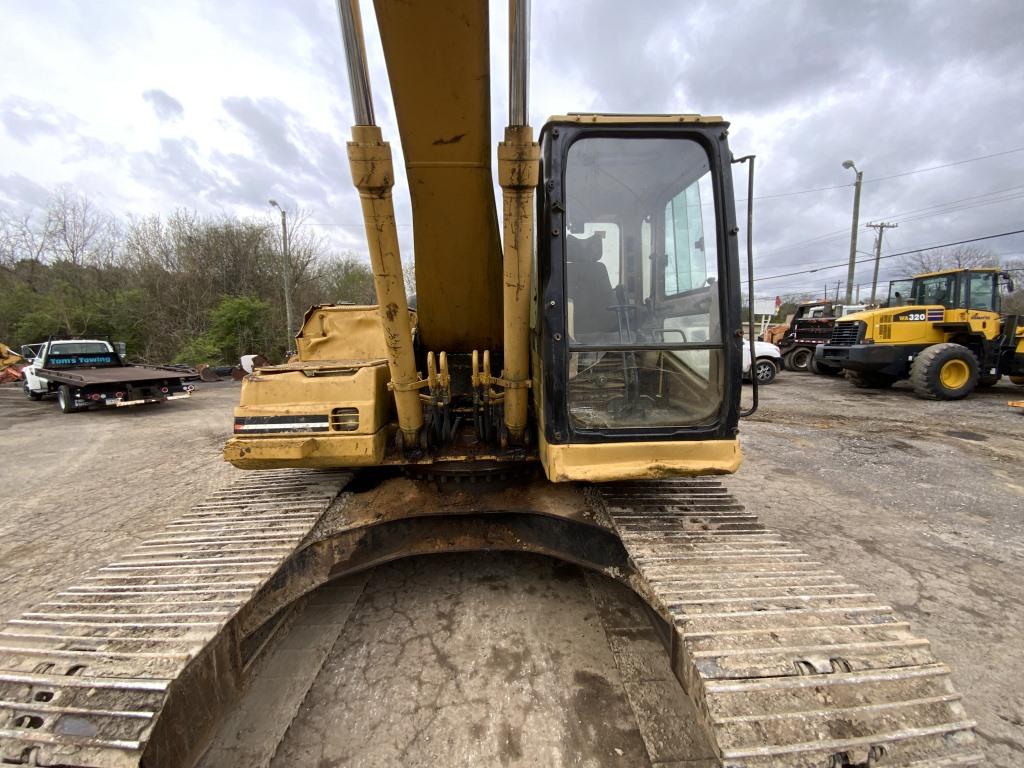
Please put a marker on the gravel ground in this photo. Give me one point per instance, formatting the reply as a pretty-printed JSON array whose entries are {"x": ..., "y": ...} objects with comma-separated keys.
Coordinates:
[
  {"x": 84, "y": 487},
  {"x": 919, "y": 501}
]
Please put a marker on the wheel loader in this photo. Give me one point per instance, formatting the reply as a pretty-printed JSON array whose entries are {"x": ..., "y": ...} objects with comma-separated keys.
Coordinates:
[
  {"x": 574, "y": 378},
  {"x": 946, "y": 335}
]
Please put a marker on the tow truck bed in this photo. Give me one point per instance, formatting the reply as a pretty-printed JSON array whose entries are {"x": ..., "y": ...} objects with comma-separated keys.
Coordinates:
[{"x": 129, "y": 374}]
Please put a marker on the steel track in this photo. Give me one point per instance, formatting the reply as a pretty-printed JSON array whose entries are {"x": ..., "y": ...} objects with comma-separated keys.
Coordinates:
[
  {"x": 788, "y": 663},
  {"x": 107, "y": 671}
]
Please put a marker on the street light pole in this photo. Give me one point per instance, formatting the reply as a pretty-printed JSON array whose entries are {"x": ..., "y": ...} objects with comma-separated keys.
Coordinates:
[
  {"x": 848, "y": 164},
  {"x": 287, "y": 273}
]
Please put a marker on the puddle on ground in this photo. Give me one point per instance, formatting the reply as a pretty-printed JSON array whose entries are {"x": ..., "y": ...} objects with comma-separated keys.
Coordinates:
[{"x": 973, "y": 436}]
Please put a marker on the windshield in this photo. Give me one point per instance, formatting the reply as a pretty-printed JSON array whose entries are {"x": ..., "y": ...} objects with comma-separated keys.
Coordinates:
[{"x": 641, "y": 276}]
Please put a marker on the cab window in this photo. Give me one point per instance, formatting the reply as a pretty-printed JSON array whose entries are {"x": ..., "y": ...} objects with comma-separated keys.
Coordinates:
[
  {"x": 940, "y": 289},
  {"x": 982, "y": 291},
  {"x": 642, "y": 299}
]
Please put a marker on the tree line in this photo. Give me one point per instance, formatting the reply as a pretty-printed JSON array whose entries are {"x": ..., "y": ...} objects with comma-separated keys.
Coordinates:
[{"x": 187, "y": 288}]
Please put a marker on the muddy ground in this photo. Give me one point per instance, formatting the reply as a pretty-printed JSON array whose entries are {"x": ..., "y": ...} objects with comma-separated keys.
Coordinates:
[{"x": 921, "y": 502}]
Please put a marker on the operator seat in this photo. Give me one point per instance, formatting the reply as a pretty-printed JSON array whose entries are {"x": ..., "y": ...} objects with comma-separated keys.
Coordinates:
[{"x": 590, "y": 291}]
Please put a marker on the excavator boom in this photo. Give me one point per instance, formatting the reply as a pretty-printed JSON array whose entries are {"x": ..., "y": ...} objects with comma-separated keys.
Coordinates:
[{"x": 439, "y": 67}]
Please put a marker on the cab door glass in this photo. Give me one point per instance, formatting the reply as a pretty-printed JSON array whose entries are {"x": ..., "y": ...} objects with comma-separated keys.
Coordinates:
[
  {"x": 900, "y": 293},
  {"x": 640, "y": 276},
  {"x": 983, "y": 291}
]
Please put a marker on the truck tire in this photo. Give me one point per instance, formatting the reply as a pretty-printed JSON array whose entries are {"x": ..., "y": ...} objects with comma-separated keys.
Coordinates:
[
  {"x": 799, "y": 359},
  {"x": 944, "y": 372},
  {"x": 870, "y": 379},
  {"x": 30, "y": 394},
  {"x": 765, "y": 370},
  {"x": 823, "y": 369},
  {"x": 65, "y": 399}
]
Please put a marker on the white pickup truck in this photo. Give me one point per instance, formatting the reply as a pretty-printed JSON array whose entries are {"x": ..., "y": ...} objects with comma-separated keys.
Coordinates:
[{"x": 91, "y": 372}]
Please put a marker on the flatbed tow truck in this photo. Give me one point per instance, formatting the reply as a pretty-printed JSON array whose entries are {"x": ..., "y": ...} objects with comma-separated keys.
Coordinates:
[
  {"x": 91, "y": 372},
  {"x": 613, "y": 398}
]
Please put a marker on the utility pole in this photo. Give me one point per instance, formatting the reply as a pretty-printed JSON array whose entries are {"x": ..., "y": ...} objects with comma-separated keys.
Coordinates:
[
  {"x": 849, "y": 164},
  {"x": 286, "y": 269},
  {"x": 880, "y": 227}
]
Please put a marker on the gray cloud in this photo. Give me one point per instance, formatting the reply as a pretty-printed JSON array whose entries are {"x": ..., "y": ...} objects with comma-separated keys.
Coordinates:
[
  {"x": 894, "y": 86},
  {"x": 26, "y": 120},
  {"x": 166, "y": 106},
  {"x": 177, "y": 167},
  {"x": 22, "y": 193}
]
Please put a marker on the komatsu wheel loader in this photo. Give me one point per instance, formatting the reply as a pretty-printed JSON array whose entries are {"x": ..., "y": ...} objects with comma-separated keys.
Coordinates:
[
  {"x": 943, "y": 331},
  {"x": 590, "y": 358}
]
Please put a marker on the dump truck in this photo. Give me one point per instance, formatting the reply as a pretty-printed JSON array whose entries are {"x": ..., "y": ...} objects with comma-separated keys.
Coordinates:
[
  {"x": 88, "y": 373},
  {"x": 582, "y": 373},
  {"x": 945, "y": 334}
]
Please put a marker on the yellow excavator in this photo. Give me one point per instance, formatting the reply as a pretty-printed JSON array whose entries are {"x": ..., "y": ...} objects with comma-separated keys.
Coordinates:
[{"x": 568, "y": 388}]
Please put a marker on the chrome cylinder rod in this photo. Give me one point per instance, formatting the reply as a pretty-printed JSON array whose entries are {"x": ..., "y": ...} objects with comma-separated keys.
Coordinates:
[
  {"x": 518, "y": 62},
  {"x": 355, "y": 60}
]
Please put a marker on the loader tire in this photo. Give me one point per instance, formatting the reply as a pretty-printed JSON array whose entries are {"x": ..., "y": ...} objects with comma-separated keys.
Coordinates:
[
  {"x": 944, "y": 372},
  {"x": 989, "y": 380},
  {"x": 870, "y": 379},
  {"x": 824, "y": 369},
  {"x": 799, "y": 359}
]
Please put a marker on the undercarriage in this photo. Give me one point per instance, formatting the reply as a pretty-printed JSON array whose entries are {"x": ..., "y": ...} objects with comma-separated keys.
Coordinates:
[{"x": 786, "y": 662}]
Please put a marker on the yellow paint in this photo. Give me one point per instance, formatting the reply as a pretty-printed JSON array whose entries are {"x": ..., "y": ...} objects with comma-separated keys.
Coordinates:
[
  {"x": 608, "y": 462},
  {"x": 373, "y": 175},
  {"x": 343, "y": 332},
  {"x": 597, "y": 118},
  {"x": 518, "y": 172},
  {"x": 438, "y": 60},
  {"x": 9, "y": 357},
  {"x": 307, "y": 451},
  {"x": 954, "y": 374}
]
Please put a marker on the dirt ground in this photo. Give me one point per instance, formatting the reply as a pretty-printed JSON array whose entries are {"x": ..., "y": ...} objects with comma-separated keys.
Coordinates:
[{"x": 921, "y": 502}]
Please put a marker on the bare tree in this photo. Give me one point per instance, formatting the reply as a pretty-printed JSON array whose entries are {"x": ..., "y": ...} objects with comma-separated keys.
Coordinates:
[
  {"x": 955, "y": 257},
  {"x": 78, "y": 232}
]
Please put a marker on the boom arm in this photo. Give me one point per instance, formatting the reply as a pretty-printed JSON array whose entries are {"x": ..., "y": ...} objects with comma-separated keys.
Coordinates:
[{"x": 439, "y": 67}]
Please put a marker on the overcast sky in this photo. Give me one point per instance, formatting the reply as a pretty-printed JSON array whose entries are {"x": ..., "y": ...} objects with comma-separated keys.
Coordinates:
[{"x": 217, "y": 106}]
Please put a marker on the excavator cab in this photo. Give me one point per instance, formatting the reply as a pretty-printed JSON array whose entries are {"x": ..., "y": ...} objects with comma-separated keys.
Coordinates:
[{"x": 637, "y": 289}]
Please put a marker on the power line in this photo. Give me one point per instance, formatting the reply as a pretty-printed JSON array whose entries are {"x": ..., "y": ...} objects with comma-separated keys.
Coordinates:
[
  {"x": 891, "y": 255},
  {"x": 909, "y": 215},
  {"x": 947, "y": 165},
  {"x": 885, "y": 178}
]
